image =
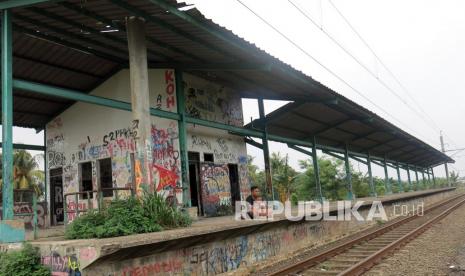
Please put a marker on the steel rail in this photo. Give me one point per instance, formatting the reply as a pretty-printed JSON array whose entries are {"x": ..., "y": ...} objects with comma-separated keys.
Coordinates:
[
  {"x": 376, "y": 257},
  {"x": 331, "y": 252}
]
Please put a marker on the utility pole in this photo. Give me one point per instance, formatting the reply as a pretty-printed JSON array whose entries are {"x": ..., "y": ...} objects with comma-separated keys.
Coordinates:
[{"x": 445, "y": 164}]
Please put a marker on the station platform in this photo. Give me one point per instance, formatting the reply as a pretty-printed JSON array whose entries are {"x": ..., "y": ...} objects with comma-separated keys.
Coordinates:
[{"x": 210, "y": 245}]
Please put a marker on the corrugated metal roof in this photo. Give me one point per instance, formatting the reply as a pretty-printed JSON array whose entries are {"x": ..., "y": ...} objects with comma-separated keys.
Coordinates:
[
  {"x": 62, "y": 44},
  {"x": 338, "y": 123}
]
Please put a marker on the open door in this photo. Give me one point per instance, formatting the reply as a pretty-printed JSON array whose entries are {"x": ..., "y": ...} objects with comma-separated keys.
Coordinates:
[
  {"x": 56, "y": 196},
  {"x": 194, "y": 181},
  {"x": 234, "y": 180}
]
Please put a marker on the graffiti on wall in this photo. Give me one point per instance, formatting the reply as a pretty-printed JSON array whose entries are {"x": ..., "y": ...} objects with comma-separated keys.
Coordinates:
[
  {"x": 215, "y": 188},
  {"x": 62, "y": 265},
  {"x": 224, "y": 256},
  {"x": 72, "y": 207},
  {"x": 213, "y": 104},
  {"x": 22, "y": 208}
]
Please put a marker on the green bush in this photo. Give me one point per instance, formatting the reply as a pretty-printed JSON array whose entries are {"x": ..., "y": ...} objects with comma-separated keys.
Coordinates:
[
  {"x": 25, "y": 262},
  {"x": 151, "y": 213}
]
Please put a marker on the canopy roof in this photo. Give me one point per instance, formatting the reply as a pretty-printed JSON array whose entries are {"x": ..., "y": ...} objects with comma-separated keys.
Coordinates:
[
  {"x": 338, "y": 122},
  {"x": 79, "y": 44}
]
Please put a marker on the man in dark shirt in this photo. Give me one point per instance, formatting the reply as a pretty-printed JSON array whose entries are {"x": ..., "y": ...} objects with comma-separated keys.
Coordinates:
[{"x": 254, "y": 196}]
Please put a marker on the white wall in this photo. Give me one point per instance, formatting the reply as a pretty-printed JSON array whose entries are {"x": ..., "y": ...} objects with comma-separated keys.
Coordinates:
[{"x": 86, "y": 132}]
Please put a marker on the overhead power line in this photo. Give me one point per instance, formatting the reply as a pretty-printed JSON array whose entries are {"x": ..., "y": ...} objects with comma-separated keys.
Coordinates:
[
  {"x": 374, "y": 75},
  {"x": 433, "y": 122},
  {"x": 321, "y": 64}
]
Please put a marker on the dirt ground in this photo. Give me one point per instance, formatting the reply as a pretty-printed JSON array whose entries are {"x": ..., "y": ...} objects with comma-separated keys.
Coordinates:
[{"x": 438, "y": 251}]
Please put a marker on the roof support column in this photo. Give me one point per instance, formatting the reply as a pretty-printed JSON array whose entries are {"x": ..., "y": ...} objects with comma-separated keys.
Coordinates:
[
  {"x": 423, "y": 177},
  {"x": 140, "y": 103},
  {"x": 447, "y": 174},
  {"x": 434, "y": 178},
  {"x": 399, "y": 181},
  {"x": 316, "y": 170},
  {"x": 387, "y": 185},
  {"x": 7, "y": 118},
  {"x": 350, "y": 193},
  {"x": 417, "y": 184},
  {"x": 370, "y": 176},
  {"x": 429, "y": 178},
  {"x": 266, "y": 151},
  {"x": 182, "y": 129},
  {"x": 410, "y": 188},
  {"x": 10, "y": 230}
]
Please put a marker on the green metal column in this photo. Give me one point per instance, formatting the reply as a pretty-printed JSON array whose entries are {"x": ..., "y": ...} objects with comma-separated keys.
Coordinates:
[
  {"x": 417, "y": 184},
  {"x": 410, "y": 188},
  {"x": 266, "y": 151},
  {"x": 7, "y": 116},
  {"x": 387, "y": 185},
  {"x": 429, "y": 178},
  {"x": 399, "y": 180},
  {"x": 434, "y": 178},
  {"x": 370, "y": 176},
  {"x": 182, "y": 128},
  {"x": 316, "y": 170},
  {"x": 350, "y": 193},
  {"x": 423, "y": 176}
]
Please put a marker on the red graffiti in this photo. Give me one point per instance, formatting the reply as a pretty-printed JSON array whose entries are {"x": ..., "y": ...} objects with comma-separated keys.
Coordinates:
[
  {"x": 167, "y": 177},
  {"x": 169, "y": 81},
  {"x": 153, "y": 269},
  {"x": 71, "y": 209}
]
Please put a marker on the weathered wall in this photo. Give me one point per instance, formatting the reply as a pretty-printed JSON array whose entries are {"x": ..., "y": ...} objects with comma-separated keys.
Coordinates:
[
  {"x": 219, "y": 252},
  {"x": 86, "y": 132}
]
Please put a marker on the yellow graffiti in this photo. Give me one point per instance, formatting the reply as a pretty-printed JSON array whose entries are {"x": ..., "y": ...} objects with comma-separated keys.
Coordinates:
[
  {"x": 138, "y": 176},
  {"x": 73, "y": 264}
]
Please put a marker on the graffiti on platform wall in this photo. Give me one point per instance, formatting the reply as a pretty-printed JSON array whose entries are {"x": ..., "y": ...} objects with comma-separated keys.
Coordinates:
[
  {"x": 215, "y": 188},
  {"x": 213, "y": 104},
  {"x": 224, "y": 256},
  {"x": 62, "y": 265},
  {"x": 21, "y": 208}
]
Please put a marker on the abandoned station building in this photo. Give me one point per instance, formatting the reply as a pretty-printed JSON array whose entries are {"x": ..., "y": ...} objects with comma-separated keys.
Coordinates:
[
  {"x": 145, "y": 95},
  {"x": 90, "y": 148}
]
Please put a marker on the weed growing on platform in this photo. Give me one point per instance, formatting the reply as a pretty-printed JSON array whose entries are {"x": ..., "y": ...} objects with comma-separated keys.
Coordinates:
[
  {"x": 150, "y": 213},
  {"x": 24, "y": 262}
]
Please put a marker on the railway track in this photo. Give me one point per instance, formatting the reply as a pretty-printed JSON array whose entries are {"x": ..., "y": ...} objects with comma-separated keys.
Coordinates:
[{"x": 358, "y": 255}]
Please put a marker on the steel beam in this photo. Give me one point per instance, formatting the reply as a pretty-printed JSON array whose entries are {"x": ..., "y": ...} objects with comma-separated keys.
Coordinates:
[
  {"x": 350, "y": 192},
  {"x": 387, "y": 184},
  {"x": 316, "y": 171},
  {"x": 334, "y": 155},
  {"x": 20, "y": 3},
  {"x": 370, "y": 178},
  {"x": 434, "y": 178},
  {"x": 423, "y": 177},
  {"x": 409, "y": 179},
  {"x": 253, "y": 143},
  {"x": 399, "y": 180},
  {"x": 417, "y": 183},
  {"x": 7, "y": 116},
  {"x": 182, "y": 127},
  {"x": 26, "y": 147},
  {"x": 266, "y": 151},
  {"x": 358, "y": 159}
]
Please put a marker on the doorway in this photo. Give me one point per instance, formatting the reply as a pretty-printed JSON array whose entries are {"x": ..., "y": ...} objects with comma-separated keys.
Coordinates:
[
  {"x": 56, "y": 196},
  {"x": 234, "y": 180},
  {"x": 194, "y": 180}
]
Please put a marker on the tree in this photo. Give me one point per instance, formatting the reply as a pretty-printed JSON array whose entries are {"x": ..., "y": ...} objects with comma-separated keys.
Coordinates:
[{"x": 26, "y": 174}]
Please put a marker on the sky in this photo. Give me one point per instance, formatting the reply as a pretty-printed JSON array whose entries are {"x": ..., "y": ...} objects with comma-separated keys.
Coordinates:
[{"x": 421, "y": 42}]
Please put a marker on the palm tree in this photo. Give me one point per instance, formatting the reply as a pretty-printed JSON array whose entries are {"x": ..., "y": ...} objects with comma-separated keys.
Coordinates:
[{"x": 26, "y": 174}]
